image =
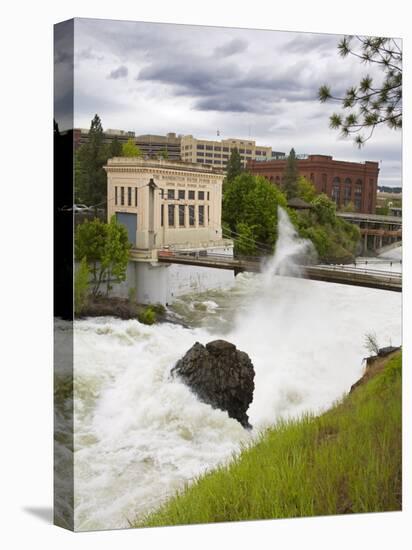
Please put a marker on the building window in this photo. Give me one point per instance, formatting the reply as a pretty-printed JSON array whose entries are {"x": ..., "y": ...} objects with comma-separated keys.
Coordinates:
[
  {"x": 217, "y": 148},
  {"x": 241, "y": 150},
  {"x": 347, "y": 191},
  {"x": 209, "y": 147},
  {"x": 181, "y": 194},
  {"x": 217, "y": 162},
  {"x": 258, "y": 152},
  {"x": 135, "y": 196},
  {"x": 248, "y": 152},
  {"x": 225, "y": 156},
  {"x": 358, "y": 194},
  {"x": 209, "y": 161},
  {"x": 201, "y": 214},
  {"x": 162, "y": 215},
  {"x": 324, "y": 183},
  {"x": 122, "y": 196},
  {"x": 182, "y": 215},
  {"x": 201, "y": 154},
  {"x": 171, "y": 194},
  {"x": 217, "y": 156},
  {"x": 191, "y": 214},
  {"x": 129, "y": 196},
  {"x": 200, "y": 160},
  {"x": 208, "y": 215},
  {"x": 226, "y": 149},
  {"x": 201, "y": 195},
  {"x": 208, "y": 195},
  {"x": 336, "y": 190},
  {"x": 191, "y": 195},
  {"x": 171, "y": 217},
  {"x": 199, "y": 146},
  {"x": 209, "y": 154},
  {"x": 115, "y": 195}
]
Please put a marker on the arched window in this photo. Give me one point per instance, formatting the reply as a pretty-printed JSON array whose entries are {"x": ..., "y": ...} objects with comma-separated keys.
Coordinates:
[
  {"x": 347, "y": 193},
  {"x": 336, "y": 190},
  {"x": 324, "y": 183},
  {"x": 358, "y": 194}
]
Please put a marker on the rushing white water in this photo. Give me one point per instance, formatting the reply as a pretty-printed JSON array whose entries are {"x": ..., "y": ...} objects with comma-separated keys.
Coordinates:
[{"x": 140, "y": 435}]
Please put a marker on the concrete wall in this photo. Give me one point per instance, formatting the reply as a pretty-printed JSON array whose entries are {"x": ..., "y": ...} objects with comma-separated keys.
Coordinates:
[{"x": 162, "y": 283}]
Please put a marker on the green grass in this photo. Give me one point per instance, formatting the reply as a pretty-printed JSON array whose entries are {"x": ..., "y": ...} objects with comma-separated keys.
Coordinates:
[{"x": 346, "y": 461}]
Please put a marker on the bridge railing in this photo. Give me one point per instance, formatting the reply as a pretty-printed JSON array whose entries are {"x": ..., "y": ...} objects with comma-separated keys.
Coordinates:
[
  {"x": 356, "y": 270},
  {"x": 199, "y": 254}
]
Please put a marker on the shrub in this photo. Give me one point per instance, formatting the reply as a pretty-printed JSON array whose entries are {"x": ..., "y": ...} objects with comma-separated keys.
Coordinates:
[
  {"x": 81, "y": 286},
  {"x": 147, "y": 316}
]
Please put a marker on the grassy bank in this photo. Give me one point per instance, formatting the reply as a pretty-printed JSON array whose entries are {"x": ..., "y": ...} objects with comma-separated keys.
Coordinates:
[{"x": 346, "y": 461}]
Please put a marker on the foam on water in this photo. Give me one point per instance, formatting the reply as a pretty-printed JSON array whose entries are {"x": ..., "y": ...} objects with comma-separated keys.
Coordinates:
[{"x": 140, "y": 435}]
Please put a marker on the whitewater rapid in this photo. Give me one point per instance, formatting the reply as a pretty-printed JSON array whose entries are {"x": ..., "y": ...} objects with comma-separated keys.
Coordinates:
[{"x": 140, "y": 435}]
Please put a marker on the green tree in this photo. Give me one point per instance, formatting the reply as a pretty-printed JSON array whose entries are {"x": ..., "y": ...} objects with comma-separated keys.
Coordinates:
[
  {"x": 325, "y": 209},
  {"x": 106, "y": 249},
  {"x": 253, "y": 201},
  {"x": 369, "y": 104},
  {"x": 90, "y": 177},
  {"x": 164, "y": 154},
  {"x": 81, "y": 286},
  {"x": 115, "y": 148},
  {"x": 290, "y": 176},
  {"x": 245, "y": 244},
  {"x": 115, "y": 253},
  {"x": 334, "y": 238},
  {"x": 130, "y": 149},
  {"x": 305, "y": 189},
  {"x": 234, "y": 166}
]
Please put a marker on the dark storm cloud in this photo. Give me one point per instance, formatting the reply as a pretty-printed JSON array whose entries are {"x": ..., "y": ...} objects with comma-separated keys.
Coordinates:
[
  {"x": 224, "y": 87},
  {"x": 237, "y": 45},
  {"x": 223, "y": 104},
  {"x": 192, "y": 76},
  {"x": 120, "y": 72}
]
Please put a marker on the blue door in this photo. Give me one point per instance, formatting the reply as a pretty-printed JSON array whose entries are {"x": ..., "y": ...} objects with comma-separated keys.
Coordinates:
[{"x": 130, "y": 222}]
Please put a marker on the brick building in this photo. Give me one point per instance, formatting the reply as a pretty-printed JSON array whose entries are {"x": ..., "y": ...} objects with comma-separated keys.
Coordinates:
[
  {"x": 81, "y": 136},
  {"x": 342, "y": 181}
]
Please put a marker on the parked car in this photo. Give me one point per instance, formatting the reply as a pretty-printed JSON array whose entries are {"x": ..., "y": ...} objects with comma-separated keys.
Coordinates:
[
  {"x": 81, "y": 208},
  {"x": 76, "y": 208}
]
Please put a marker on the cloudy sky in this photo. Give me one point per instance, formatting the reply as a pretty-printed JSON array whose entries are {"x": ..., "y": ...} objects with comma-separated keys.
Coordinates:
[{"x": 158, "y": 78}]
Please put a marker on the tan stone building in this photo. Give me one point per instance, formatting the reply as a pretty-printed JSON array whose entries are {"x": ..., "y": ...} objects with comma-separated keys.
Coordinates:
[
  {"x": 166, "y": 203},
  {"x": 217, "y": 153}
]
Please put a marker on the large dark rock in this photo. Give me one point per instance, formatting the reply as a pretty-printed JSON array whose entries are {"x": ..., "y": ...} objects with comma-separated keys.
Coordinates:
[{"x": 221, "y": 376}]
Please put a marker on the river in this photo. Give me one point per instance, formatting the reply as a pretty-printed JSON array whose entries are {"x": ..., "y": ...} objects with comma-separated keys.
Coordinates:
[{"x": 140, "y": 435}]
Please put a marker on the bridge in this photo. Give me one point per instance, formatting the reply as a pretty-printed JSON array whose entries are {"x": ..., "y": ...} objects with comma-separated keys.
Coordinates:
[
  {"x": 384, "y": 280},
  {"x": 377, "y": 231}
]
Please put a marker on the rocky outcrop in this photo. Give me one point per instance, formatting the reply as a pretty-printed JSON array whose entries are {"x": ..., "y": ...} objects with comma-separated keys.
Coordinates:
[{"x": 221, "y": 376}]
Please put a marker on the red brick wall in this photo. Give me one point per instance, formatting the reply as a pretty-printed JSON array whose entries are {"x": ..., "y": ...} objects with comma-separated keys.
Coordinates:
[{"x": 323, "y": 170}]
